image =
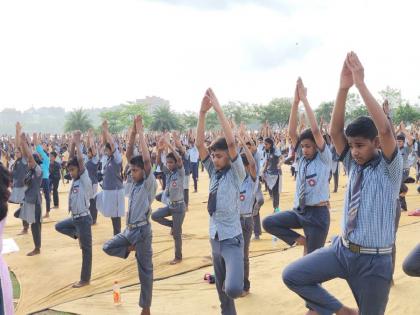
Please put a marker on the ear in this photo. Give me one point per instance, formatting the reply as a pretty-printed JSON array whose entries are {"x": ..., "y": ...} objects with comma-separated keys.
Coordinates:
[{"x": 377, "y": 143}]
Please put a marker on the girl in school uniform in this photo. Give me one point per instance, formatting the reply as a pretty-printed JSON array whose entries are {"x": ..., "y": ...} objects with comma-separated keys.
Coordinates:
[
  {"x": 79, "y": 225},
  {"x": 110, "y": 201},
  {"x": 272, "y": 171},
  {"x": 138, "y": 233}
]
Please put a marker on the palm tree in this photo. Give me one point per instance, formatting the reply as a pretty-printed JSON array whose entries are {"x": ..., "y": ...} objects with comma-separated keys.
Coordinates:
[
  {"x": 164, "y": 119},
  {"x": 77, "y": 120}
]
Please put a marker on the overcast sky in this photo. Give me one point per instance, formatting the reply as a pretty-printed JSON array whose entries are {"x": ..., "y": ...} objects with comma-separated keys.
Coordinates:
[{"x": 95, "y": 53}]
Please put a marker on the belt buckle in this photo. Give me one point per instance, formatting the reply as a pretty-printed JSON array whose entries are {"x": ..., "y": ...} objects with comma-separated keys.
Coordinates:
[{"x": 354, "y": 248}]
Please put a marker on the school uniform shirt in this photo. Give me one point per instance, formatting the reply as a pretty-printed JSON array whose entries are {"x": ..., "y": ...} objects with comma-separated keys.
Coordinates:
[
  {"x": 225, "y": 221},
  {"x": 405, "y": 152},
  {"x": 92, "y": 168},
  {"x": 55, "y": 169},
  {"x": 140, "y": 200},
  {"x": 272, "y": 172},
  {"x": 80, "y": 194},
  {"x": 19, "y": 169},
  {"x": 174, "y": 190},
  {"x": 194, "y": 155},
  {"x": 375, "y": 225},
  {"x": 45, "y": 165},
  {"x": 32, "y": 196},
  {"x": 247, "y": 195},
  {"x": 316, "y": 176}
]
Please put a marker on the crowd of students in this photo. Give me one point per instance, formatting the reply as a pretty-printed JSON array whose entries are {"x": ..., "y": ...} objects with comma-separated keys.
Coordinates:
[{"x": 376, "y": 157}]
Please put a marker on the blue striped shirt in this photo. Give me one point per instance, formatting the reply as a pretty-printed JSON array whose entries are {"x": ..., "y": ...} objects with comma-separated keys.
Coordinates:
[
  {"x": 317, "y": 177},
  {"x": 375, "y": 225},
  {"x": 226, "y": 220}
]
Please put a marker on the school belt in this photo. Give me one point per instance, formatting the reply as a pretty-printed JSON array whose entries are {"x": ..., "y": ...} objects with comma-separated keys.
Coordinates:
[
  {"x": 137, "y": 225},
  {"x": 79, "y": 215},
  {"x": 172, "y": 203},
  {"x": 357, "y": 249},
  {"x": 244, "y": 216}
]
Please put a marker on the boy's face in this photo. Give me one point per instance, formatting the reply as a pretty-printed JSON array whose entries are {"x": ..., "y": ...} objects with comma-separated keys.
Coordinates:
[
  {"x": 137, "y": 173},
  {"x": 308, "y": 148},
  {"x": 18, "y": 155},
  {"x": 107, "y": 152},
  {"x": 267, "y": 146},
  {"x": 362, "y": 149},
  {"x": 89, "y": 155},
  {"x": 73, "y": 171},
  {"x": 220, "y": 159},
  {"x": 52, "y": 158},
  {"x": 171, "y": 164},
  {"x": 400, "y": 143}
]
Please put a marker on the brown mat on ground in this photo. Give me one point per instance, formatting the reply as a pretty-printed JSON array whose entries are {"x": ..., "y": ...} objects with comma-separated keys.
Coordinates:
[{"x": 46, "y": 279}]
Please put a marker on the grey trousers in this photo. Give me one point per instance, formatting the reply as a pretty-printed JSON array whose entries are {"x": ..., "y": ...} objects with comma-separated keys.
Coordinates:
[
  {"x": 315, "y": 222},
  {"x": 228, "y": 257},
  {"x": 247, "y": 226},
  {"x": 80, "y": 228},
  {"x": 36, "y": 227},
  {"x": 369, "y": 277},
  {"x": 118, "y": 247},
  {"x": 178, "y": 215},
  {"x": 411, "y": 265}
]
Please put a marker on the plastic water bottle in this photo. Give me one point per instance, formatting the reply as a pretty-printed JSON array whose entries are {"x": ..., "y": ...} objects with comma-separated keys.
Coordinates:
[
  {"x": 275, "y": 239},
  {"x": 116, "y": 293}
]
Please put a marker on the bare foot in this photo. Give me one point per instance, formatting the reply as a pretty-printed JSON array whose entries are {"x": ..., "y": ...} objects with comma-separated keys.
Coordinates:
[
  {"x": 131, "y": 248},
  {"x": 46, "y": 216},
  {"x": 301, "y": 240},
  {"x": 23, "y": 232},
  {"x": 145, "y": 311},
  {"x": 175, "y": 261},
  {"x": 80, "y": 284},
  {"x": 36, "y": 251},
  {"x": 347, "y": 311},
  {"x": 244, "y": 293}
]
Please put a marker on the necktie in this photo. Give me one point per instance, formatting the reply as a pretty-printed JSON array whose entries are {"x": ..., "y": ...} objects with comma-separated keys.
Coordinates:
[
  {"x": 212, "y": 202},
  {"x": 354, "y": 203},
  {"x": 302, "y": 186}
]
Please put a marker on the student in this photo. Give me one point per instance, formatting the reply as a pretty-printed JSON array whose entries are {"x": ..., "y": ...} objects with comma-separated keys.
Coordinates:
[
  {"x": 362, "y": 255},
  {"x": 110, "y": 201},
  {"x": 247, "y": 195},
  {"x": 227, "y": 173},
  {"x": 173, "y": 194},
  {"x": 194, "y": 157},
  {"x": 6, "y": 291},
  {"x": 45, "y": 166},
  {"x": 79, "y": 226},
  {"x": 19, "y": 170},
  {"x": 55, "y": 176},
  {"x": 31, "y": 208},
  {"x": 137, "y": 235},
  {"x": 187, "y": 167},
  {"x": 92, "y": 169},
  {"x": 272, "y": 171},
  {"x": 310, "y": 211}
]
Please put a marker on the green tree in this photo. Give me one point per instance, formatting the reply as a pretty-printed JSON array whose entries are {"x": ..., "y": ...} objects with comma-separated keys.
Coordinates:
[
  {"x": 355, "y": 107},
  {"x": 77, "y": 120},
  {"x": 407, "y": 113},
  {"x": 189, "y": 120},
  {"x": 324, "y": 111},
  {"x": 212, "y": 122},
  {"x": 393, "y": 96},
  {"x": 239, "y": 112},
  {"x": 121, "y": 118},
  {"x": 164, "y": 119},
  {"x": 277, "y": 112}
]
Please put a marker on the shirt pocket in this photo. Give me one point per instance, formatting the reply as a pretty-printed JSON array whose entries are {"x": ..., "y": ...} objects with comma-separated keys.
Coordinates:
[{"x": 311, "y": 180}]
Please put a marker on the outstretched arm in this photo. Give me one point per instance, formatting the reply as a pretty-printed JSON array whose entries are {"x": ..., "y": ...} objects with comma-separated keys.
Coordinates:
[
  {"x": 293, "y": 120},
  {"x": 319, "y": 139},
  {"x": 338, "y": 114},
  {"x": 77, "y": 142},
  {"x": 386, "y": 137},
  {"x": 143, "y": 145},
  {"x": 201, "y": 127}
]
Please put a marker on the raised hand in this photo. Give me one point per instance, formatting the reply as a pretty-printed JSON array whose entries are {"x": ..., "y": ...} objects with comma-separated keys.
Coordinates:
[
  {"x": 385, "y": 107},
  {"x": 296, "y": 99},
  {"x": 346, "y": 77},
  {"x": 356, "y": 68},
  {"x": 139, "y": 123},
  {"x": 301, "y": 89},
  {"x": 205, "y": 103},
  {"x": 105, "y": 125},
  {"x": 77, "y": 136},
  {"x": 213, "y": 100},
  {"x": 18, "y": 127}
]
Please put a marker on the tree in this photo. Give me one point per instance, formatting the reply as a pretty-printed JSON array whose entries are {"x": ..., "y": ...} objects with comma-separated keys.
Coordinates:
[
  {"x": 121, "y": 118},
  {"x": 277, "y": 112},
  {"x": 77, "y": 120},
  {"x": 324, "y": 111},
  {"x": 393, "y": 96},
  {"x": 189, "y": 120},
  {"x": 212, "y": 122},
  {"x": 354, "y": 107},
  {"x": 406, "y": 113},
  {"x": 238, "y": 112},
  {"x": 164, "y": 119}
]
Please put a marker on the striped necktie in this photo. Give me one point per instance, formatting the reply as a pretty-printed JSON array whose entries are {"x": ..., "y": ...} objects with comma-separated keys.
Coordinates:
[
  {"x": 302, "y": 186},
  {"x": 354, "y": 203},
  {"x": 212, "y": 201}
]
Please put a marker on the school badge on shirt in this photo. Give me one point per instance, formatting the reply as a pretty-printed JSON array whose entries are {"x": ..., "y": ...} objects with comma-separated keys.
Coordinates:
[
  {"x": 242, "y": 197},
  {"x": 312, "y": 182},
  {"x": 174, "y": 184}
]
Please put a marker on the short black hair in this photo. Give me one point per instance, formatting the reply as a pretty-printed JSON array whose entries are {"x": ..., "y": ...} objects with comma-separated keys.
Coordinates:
[
  {"x": 401, "y": 137},
  {"x": 108, "y": 146},
  {"x": 73, "y": 162},
  {"x": 171, "y": 155},
  {"x": 137, "y": 161},
  {"x": 307, "y": 135},
  {"x": 244, "y": 159},
  {"x": 219, "y": 144},
  {"x": 403, "y": 188},
  {"x": 362, "y": 126},
  {"x": 54, "y": 154}
]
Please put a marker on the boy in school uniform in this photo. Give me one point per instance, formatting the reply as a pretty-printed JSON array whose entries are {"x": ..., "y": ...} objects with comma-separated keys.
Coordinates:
[
  {"x": 247, "y": 195},
  {"x": 362, "y": 255},
  {"x": 79, "y": 226},
  {"x": 310, "y": 211},
  {"x": 227, "y": 173},
  {"x": 92, "y": 169},
  {"x": 173, "y": 194},
  {"x": 138, "y": 233}
]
